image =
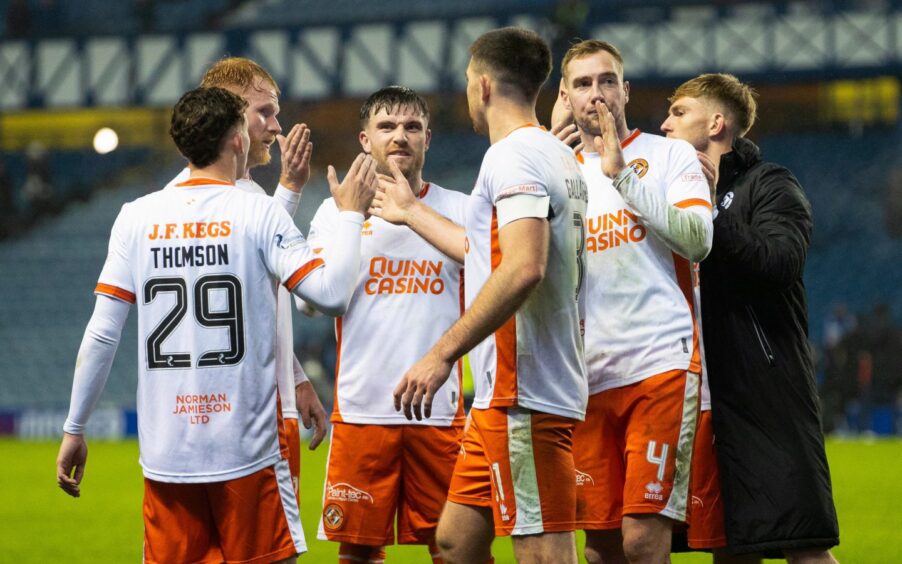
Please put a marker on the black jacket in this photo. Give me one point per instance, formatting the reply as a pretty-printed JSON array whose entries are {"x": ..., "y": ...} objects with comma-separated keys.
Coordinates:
[{"x": 770, "y": 448}]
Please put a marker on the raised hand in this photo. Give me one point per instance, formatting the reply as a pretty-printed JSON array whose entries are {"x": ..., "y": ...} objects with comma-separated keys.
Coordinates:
[
  {"x": 394, "y": 197},
  {"x": 608, "y": 144},
  {"x": 296, "y": 150},
  {"x": 356, "y": 191}
]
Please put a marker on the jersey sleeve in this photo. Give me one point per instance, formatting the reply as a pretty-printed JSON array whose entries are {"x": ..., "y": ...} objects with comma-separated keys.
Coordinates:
[
  {"x": 516, "y": 185},
  {"x": 116, "y": 280},
  {"x": 322, "y": 227},
  {"x": 287, "y": 254},
  {"x": 686, "y": 184}
]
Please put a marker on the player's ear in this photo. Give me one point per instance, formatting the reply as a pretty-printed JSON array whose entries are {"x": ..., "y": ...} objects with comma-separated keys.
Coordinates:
[
  {"x": 717, "y": 125},
  {"x": 485, "y": 87},
  {"x": 428, "y": 138},
  {"x": 364, "y": 142},
  {"x": 563, "y": 98},
  {"x": 626, "y": 91}
]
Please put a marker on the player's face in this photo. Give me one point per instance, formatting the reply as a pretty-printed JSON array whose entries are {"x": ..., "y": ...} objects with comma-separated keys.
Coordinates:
[
  {"x": 399, "y": 135},
  {"x": 475, "y": 102},
  {"x": 262, "y": 122},
  {"x": 688, "y": 119},
  {"x": 595, "y": 78}
]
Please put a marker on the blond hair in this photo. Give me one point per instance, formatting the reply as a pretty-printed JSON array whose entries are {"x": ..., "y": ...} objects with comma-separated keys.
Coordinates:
[
  {"x": 735, "y": 98},
  {"x": 588, "y": 47},
  {"x": 236, "y": 72}
]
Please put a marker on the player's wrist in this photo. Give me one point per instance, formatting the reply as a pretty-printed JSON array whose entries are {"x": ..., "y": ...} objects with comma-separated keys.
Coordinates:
[{"x": 291, "y": 184}]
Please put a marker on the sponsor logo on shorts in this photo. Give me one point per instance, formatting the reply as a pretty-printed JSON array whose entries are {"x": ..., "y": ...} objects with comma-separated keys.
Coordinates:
[
  {"x": 346, "y": 492},
  {"x": 697, "y": 502},
  {"x": 583, "y": 479},
  {"x": 654, "y": 491},
  {"x": 333, "y": 517}
]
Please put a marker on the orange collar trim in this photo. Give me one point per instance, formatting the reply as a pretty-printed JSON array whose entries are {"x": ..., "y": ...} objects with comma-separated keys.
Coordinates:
[
  {"x": 630, "y": 139},
  {"x": 200, "y": 181},
  {"x": 423, "y": 190}
]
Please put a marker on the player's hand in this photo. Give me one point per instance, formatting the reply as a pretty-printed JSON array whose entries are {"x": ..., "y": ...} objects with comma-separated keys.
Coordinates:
[
  {"x": 394, "y": 197},
  {"x": 356, "y": 191},
  {"x": 418, "y": 386},
  {"x": 311, "y": 411},
  {"x": 73, "y": 455},
  {"x": 570, "y": 136},
  {"x": 608, "y": 144},
  {"x": 296, "y": 152},
  {"x": 710, "y": 170}
]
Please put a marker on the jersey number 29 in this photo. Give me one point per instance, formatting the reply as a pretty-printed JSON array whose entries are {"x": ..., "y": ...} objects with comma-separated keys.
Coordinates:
[{"x": 232, "y": 317}]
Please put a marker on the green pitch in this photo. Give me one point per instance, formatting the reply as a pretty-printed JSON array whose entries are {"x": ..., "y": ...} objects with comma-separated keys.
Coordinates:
[{"x": 38, "y": 523}]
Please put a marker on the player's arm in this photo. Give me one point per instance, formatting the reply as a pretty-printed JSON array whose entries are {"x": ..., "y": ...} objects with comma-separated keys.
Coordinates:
[
  {"x": 772, "y": 247},
  {"x": 92, "y": 368},
  {"x": 309, "y": 407},
  {"x": 687, "y": 231},
  {"x": 524, "y": 258},
  {"x": 395, "y": 202},
  {"x": 329, "y": 284}
]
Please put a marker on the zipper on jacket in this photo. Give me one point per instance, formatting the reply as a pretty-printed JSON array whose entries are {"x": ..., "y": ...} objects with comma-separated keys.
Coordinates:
[{"x": 762, "y": 338}]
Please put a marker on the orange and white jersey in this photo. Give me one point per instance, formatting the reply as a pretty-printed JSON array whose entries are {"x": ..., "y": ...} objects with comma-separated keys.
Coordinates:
[
  {"x": 535, "y": 360},
  {"x": 203, "y": 262},
  {"x": 641, "y": 319},
  {"x": 407, "y": 295},
  {"x": 284, "y": 332}
]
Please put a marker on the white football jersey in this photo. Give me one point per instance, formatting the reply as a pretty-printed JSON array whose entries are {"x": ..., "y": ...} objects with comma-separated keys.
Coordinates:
[
  {"x": 203, "y": 262},
  {"x": 284, "y": 331},
  {"x": 408, "y": 294},
  {"x": 535, "y": 360},
  {"x": 640, "y": 302}
]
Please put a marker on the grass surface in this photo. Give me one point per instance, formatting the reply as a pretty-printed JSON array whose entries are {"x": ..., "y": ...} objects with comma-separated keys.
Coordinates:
[{"x": 41, "y": 524}]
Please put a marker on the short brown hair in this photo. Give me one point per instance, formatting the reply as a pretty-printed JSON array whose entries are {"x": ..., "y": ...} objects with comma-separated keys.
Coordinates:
[
  {"x": 588, "y": 47},
  {"x": 516, "y": 57},
  {"x": 737, "y": 99},
  {"x": 201, "y": 121},
  {"x": 390, "y": 98},
  {"x": 237, "y": 72}
]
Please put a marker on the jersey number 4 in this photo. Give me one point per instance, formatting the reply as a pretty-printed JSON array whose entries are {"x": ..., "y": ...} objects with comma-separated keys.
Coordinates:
[{"x": 232, "y": 317}]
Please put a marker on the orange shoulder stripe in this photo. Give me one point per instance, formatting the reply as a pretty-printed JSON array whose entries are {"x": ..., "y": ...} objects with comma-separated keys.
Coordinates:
[
  {"x": 114, "y": 292},
  {"x": 303, "y": 272},
  {"x": 693, "y": 202}
]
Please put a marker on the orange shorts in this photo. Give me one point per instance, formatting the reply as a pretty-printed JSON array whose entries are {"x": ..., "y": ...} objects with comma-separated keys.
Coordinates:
[
  {"x": 249, "y": 519},
  {"x": 293, "y": 436},
  {"x": 513, "y": 461},
  {"x": 377, "y": 471},
  {"x": 634, "y": 449},
  {"x": 706, "y": 527}
]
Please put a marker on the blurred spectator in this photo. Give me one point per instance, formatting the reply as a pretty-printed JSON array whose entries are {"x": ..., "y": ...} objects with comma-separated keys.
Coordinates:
[
  {"x": 18, "y": 19},
  {"x": 38, "y": 188},
  {"x": 144, "y": 12},
  {"x": 838, "y": 323}
]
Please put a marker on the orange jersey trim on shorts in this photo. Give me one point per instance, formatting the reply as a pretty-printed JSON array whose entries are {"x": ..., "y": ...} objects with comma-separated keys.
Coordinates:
[
  {"x": 504, "y": 393},
  {"x": 115, "y": 292},
  {"x": 303, "y": 272},
  {"x": 693, "y": 202}
]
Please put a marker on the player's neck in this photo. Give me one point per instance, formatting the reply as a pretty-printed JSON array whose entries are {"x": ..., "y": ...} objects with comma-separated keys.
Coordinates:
[
  {"x": 718, "y": 148},
  {"x": 416, "y": 184},
  {"x": 506, "y": 116},
  {"x": 223, "y": 170}
]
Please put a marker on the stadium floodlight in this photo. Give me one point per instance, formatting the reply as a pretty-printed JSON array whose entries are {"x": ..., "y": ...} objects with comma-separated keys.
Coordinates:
[{"x": 105, "y": 140}]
